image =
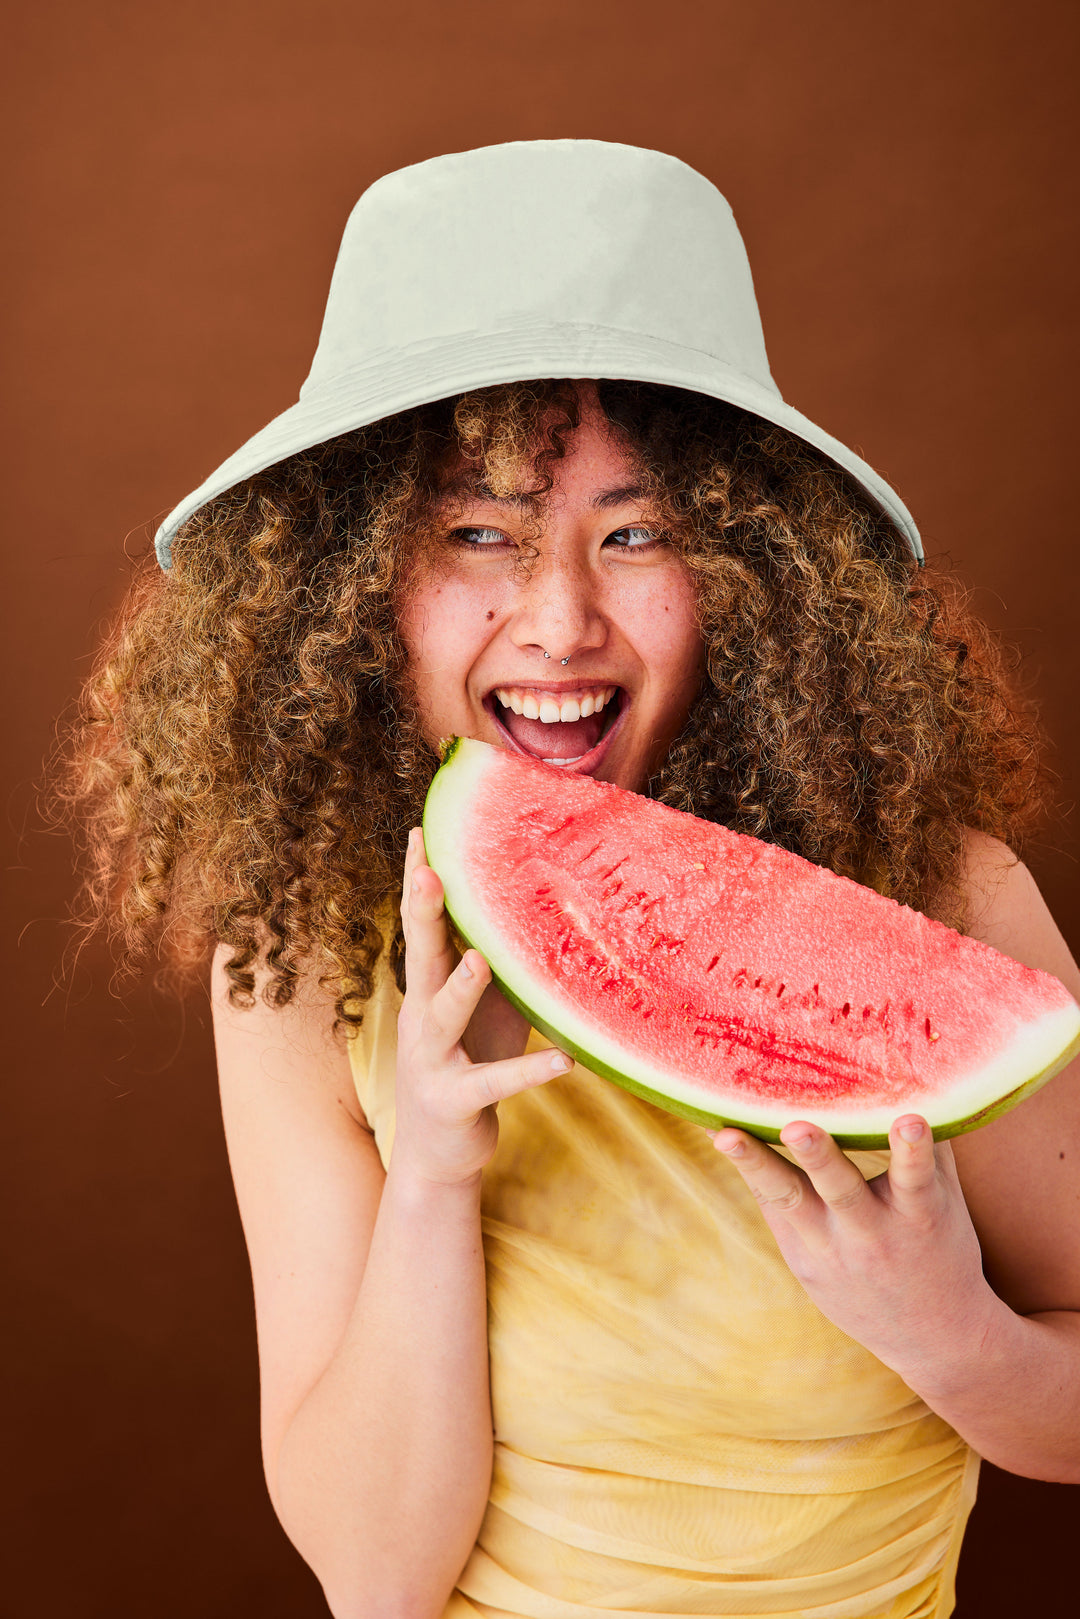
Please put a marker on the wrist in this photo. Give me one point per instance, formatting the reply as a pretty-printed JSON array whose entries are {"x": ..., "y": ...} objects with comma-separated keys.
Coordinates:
[
  {"x": 412, "y": 1181},
  {"x": 961, "y": 1348}
]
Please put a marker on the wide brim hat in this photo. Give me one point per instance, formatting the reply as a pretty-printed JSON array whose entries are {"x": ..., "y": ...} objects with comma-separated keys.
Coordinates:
[{"x": 556, "y": 258}]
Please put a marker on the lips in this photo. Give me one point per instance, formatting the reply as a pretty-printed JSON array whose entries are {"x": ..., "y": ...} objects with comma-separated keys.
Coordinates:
[{"x": 571, "y": 743}]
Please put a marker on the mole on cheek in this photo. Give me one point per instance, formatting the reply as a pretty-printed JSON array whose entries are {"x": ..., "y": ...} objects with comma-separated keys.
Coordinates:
[{"x": 490, "y": 614}]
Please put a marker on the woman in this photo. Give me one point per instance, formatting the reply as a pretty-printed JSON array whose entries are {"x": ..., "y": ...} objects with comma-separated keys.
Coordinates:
[{"x": 529, "y": 1346}]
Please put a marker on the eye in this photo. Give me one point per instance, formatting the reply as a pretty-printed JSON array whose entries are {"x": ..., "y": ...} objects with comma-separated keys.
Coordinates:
[
  {"x": 634, "y": 538},
  {"x": 478, "y": 537}
]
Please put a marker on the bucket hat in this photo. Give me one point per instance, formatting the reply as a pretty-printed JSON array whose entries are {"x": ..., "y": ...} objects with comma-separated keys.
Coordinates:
[{"x": 552, "y": 258}]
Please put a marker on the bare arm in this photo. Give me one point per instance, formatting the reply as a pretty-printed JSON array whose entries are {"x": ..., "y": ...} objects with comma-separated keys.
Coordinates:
[
  {"x": 1021, "y": 1181},
  {"x": 988, "y": 1335},
  {"x": 370, "y": 1289}
]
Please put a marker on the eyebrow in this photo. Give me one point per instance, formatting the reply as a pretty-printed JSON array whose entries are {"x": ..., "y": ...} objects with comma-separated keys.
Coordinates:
[
  {"x": 478, "y": 489},
  {"x": 618, "y": 497}
]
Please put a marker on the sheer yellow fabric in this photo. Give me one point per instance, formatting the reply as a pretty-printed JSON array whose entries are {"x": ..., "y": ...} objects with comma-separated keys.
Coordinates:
[{"x": 678, "y": 1429}]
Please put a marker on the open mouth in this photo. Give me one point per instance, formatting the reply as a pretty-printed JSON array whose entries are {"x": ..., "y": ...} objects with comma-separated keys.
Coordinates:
[{"x": 569, "y": 727}]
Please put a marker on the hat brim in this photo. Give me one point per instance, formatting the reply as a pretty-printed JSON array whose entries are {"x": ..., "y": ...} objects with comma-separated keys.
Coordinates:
[{"x": 395, "y": 380}]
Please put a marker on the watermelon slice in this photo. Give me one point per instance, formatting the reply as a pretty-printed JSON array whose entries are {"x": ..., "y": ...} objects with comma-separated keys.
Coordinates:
[{"x": 721, "y": 977}]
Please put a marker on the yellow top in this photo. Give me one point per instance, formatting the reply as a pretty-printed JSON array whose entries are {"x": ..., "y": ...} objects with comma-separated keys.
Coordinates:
[{"x": 678, "y": 1429}]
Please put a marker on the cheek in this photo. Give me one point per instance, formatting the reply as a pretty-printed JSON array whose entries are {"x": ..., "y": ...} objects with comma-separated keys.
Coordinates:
[
  {"x": 433, "y": 619},
  {"x": 669, "y": 636},
  {"x": 412, "y": 623},
  {"x": 444, "y": 626}
]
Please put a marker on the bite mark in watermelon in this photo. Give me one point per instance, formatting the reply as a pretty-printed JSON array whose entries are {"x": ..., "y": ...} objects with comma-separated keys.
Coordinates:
[{"x": 721, "y": 977}]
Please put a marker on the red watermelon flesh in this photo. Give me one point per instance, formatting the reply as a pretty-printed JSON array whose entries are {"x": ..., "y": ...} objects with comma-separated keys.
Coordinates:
[{"x": 722, "y": 977}]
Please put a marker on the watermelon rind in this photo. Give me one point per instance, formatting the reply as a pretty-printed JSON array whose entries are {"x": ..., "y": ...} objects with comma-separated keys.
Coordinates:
[{"x": 1039, "y": 1050}]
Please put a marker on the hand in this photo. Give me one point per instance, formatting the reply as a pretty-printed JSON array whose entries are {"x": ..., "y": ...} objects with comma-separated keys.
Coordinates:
[
  {"x": 446, "y": 1127},
  {"x": 496, "y": 1029},
  {"x": 893, "y": 1262}
]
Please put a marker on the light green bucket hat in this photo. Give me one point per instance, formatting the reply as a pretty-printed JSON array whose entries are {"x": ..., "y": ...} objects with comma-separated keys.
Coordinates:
[{"x": 560, "y": 258}]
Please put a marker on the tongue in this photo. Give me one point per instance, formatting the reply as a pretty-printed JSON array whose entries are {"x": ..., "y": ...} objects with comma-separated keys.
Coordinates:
[{"x": 558, "y": 741}]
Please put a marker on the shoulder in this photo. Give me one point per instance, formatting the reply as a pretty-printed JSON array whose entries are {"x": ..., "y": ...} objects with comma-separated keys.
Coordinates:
[
  {"x": 1005, "y": 909},
  {"x": 297, "y": 1044}
]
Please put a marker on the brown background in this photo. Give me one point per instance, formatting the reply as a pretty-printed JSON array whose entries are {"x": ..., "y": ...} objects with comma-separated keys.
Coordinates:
[{"x": 905, "y": 177}]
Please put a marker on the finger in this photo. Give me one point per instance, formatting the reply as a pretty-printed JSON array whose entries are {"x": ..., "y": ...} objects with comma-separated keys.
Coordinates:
[
  {"x": 451, "y": 1007},
  {"x": 779, "y": 1187},
  {"x": 429, "y": 959},
  {"x": 414, "y": 852},
  {"x": 495, "y": 1081},
  {"x": 832, "y": 1174},
  {"x": 913, "y": 1166},
  {"x": 414, "y": 856}
]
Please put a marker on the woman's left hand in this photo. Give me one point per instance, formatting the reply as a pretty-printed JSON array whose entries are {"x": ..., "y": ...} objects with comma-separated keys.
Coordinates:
[{"x": 893, "y": 1262}]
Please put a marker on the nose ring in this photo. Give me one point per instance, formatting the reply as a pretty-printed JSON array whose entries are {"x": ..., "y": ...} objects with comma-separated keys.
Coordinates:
[{"x": 563, "y": 661}]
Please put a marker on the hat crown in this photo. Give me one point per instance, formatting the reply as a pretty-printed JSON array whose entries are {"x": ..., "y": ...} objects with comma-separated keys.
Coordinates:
[
  {"x": 576, "y": 233},
  {"x": 563, "y": 258}
]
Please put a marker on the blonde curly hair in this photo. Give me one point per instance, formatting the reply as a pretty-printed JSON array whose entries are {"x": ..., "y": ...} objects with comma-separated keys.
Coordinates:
[{"x": 247, "y": 758}]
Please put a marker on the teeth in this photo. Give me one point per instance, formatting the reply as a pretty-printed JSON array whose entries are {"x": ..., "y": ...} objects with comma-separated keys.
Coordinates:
[{"x": 545, "y": 708}]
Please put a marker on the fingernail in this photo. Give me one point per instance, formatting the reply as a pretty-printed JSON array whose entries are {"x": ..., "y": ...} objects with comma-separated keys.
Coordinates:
[
  {"x": 736, "y": 1149},
  {"x": 464, "y": 969},
  {"x": 912, "y": 1131},
  {"x": 799, "y": 1143},
  {"x": 561, "y": 1063}
]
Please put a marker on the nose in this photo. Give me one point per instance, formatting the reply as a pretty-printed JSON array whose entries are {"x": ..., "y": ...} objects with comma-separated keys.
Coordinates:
[{"x": 558, "y": 609}]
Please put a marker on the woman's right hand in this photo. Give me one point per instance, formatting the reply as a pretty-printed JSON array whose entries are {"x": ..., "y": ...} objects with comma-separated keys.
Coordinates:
[{"x": 446, "y": 1127}]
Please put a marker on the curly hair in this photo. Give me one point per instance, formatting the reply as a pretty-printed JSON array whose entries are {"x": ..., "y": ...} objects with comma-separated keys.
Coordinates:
[{"x": 247, "y": 759}]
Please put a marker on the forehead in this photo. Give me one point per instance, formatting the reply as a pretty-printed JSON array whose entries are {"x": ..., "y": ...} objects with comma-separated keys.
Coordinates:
[
  {"x": 595, "y": 469},
  {"x": 467, "y": 487}
]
